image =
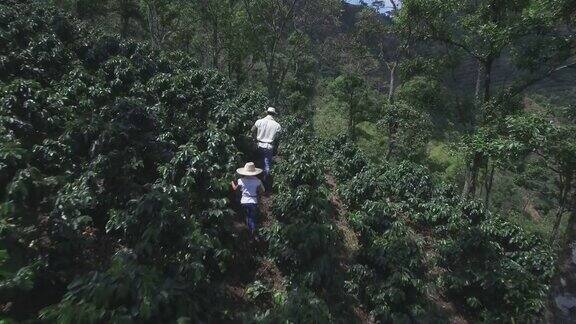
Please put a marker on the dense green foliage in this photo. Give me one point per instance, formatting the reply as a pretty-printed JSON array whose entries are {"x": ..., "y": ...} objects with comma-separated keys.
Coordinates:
[
  {"x": 416, "y": 234},
  {"x": 116, "y": 154},
  {"x": 115, "y": 164}
]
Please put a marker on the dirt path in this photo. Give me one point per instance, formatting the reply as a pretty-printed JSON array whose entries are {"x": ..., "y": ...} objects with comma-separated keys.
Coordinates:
[
  {"x": 250, "y": 263},
  {"x": 445, "y": 307},
  {"x": 351, "y": 243}
]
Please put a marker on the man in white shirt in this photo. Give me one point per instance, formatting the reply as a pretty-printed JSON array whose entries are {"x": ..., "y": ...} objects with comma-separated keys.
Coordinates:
[{"x": 267, "y": 131}]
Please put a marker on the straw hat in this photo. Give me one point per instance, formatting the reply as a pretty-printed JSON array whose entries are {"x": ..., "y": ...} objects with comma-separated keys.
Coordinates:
[
  {"x": 271, "y": 110},
  {"x": 249, "y": 170}
]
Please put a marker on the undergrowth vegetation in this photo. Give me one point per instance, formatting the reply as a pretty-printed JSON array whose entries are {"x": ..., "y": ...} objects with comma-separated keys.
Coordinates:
[{"x": 419, "y": 237}]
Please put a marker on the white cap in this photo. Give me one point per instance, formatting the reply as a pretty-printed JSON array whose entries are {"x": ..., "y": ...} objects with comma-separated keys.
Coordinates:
[{"x": 271, "y": 110}]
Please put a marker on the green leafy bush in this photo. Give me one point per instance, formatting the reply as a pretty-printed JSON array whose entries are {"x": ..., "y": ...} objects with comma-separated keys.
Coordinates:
[
  {"x": 110, "y": 146},
  {"x": 484, "y": 264}
]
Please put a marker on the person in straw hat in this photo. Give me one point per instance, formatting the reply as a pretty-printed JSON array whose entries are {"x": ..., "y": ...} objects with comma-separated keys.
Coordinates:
[
  {"x": 267, "y": 130},
  {"x": 251, "y": 187}
]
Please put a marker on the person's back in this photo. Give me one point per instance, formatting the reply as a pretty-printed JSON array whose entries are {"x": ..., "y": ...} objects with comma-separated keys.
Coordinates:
[
  {"x": 249, "y": 189},
  {"x": 267, "y": 130}
]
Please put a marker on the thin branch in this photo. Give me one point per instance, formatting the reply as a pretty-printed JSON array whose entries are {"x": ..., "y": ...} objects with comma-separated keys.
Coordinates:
[
  {"x": 547, "y": 164},
  {"x": 518, "y": 88},
  {"x": 394, "y": 5}
]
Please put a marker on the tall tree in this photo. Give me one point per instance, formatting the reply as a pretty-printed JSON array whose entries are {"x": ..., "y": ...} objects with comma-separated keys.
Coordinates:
[
  {"x": 272, "y": 24},
  {"x": 128, "y": 11},
  {"x": 554, "y": 144},
  {"x": 532, "y": 33},
  {"x": 351, "y": 91},
  {"x": 376, "y": 32}
]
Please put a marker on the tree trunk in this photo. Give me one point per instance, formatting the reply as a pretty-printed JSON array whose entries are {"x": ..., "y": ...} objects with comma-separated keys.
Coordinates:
[
  {"x": 154, "y": 24},
  {"x": 488, "y": 185},
  {"x": 557, "y": 222},
  {"x": 478, "y": 83},
  {"x": 392, "y": 129},
  {"x": 392, "y": 68},
  {"x": 351, "y": 120},
  {"x": 124, "y": 18},
  {"x": 487, "y": 84},
  {"x": 472, "y": 179},
  {"x": 571, "y": 230},
  {"x": 565, "y": 188},
  {"x": 271, "y": 76},
  {"x": 271, "y": 86},
  {"x": 215, "y": 44}
]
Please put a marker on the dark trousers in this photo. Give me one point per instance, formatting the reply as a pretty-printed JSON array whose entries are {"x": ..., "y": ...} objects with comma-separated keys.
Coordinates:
[
  {"x": 266, "y": 156},
  {"x": 251, "y": 211}
]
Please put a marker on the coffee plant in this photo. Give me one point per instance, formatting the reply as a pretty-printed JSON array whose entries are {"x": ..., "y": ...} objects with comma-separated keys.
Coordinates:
[
  {"x": 304, "y": 241},
  {"x": 115, "y": 164},
  {"x": 488, "y": 266}
]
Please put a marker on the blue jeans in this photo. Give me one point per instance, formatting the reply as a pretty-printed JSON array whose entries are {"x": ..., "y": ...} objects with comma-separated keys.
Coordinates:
[
  {"x": 251, "y": 211},
  {"x": 266, "y": 155}
]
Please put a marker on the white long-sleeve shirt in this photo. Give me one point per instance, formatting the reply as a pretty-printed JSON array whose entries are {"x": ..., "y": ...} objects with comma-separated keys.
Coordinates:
[
  {"x": 250, "y": 187},
  {"x": 267, "y": 131}
]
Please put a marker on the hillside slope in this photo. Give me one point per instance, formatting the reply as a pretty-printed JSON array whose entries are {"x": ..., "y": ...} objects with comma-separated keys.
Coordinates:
[{"x": 114, "y": 203}]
